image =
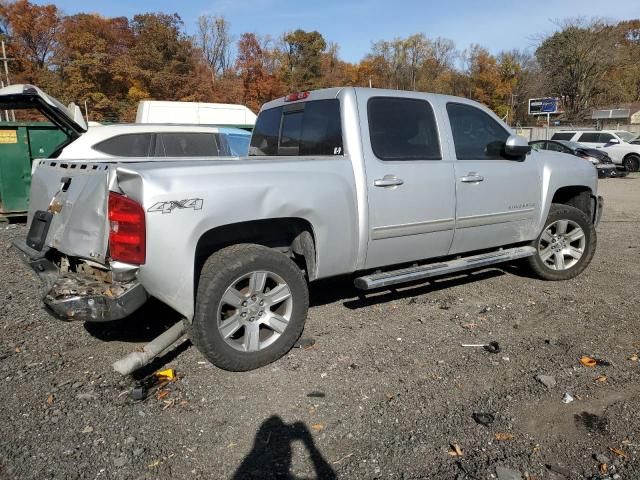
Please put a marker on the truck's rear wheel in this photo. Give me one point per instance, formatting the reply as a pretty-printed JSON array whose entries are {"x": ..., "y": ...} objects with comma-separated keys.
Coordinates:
[
  {"x": 251, "y": 306},
  {"x": 565, "y": 246}
]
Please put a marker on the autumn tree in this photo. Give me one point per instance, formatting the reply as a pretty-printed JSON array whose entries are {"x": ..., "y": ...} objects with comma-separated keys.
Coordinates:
[
  {"x": 32, "y": 31},
  {"x": 256, "y": 65},
  {"x": 576, "y": 61},
  {"x": 92, "y": 61},
  {"x": 163, "y": 60}
]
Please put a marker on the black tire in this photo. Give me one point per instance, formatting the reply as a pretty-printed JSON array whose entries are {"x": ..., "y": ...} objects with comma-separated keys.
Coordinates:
[
  {"x": 218, "y": 273},
  {"x": 632, "y": 163},
  {"x": 564, "y": 212}
]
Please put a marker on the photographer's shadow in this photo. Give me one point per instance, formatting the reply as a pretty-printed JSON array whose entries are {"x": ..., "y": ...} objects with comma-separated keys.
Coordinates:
[{"x": 271, "y": 455}]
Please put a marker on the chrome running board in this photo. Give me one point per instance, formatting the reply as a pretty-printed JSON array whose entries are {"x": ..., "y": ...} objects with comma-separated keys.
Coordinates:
[{"x": 411, "y": 274}]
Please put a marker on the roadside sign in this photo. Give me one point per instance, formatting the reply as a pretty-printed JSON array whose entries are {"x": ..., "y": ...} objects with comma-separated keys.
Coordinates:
[{"x": 544, "y": 106}]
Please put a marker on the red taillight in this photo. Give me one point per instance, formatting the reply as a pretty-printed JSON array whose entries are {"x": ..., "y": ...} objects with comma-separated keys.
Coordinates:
[
  {"x": 292, "y": 97},
  {"x": 127, "y": 230}
]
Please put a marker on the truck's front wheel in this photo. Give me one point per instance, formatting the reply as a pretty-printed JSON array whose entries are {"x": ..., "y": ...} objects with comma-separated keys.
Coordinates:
[
  {"x": 565, "y": 246},
  {"x": 251, "y": 306}
]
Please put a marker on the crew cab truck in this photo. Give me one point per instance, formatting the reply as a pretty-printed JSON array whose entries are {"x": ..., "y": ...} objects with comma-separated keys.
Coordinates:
[{"x": 388, "y": 186}]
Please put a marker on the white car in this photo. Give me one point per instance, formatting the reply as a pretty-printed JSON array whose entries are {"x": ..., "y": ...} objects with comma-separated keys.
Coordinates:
[
  {"x": 153, "y": 140},
  {"x": 125, "y": 140},
  {"x": 627, "y": 154},
  {"x": 617, "y": 143},
  {"x": 594, "y": 138}
]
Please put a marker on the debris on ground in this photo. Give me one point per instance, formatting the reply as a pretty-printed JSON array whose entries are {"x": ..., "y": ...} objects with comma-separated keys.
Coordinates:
[
  {"x": 618, "y": 452},
  {"x": 484, "y": 419},
  {"x": 491, "y": 347},
  {"x": 305, "y": 343},
  {"x": 168, "y": 374},
  {"x": 455, "y": 450},
  {"x": 559, "y": 469},
  {"x": 546, "y": 380},
  {"x": 504, "y": 473},
  {"x": 568, "y": 398},
  {"x": 591, "y": 362},
  {"x": 503, "y": 436}
]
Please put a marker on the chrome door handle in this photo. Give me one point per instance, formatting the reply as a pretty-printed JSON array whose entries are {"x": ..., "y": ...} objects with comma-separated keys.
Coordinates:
[
  {"x": 388, "y": 181},
  {"x": 472, "y": 177}
]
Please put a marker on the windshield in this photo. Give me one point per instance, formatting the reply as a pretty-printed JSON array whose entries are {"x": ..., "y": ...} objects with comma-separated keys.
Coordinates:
[{"x": 626, "y": 136}]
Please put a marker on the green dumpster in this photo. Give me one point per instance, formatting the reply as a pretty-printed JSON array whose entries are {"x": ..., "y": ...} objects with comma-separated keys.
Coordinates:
[{"x": 20, "y": 144}]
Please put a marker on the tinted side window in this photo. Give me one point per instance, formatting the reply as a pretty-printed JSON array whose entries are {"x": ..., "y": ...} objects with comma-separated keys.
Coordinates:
[
  {"x": 307, "y": 129},
  {"x": 476, "y": 135},
  {"x": 264, "y": 140},
  {"x": 589, "y": 137},
  {"x": 562, "y": 136},
  {"x": 403, "y": 129},
  {"x": 128, "y": 145},
  {"x": 605, "y": 137},
  {"x": 185, "y": 144},
  {"x": 321, "y": 128}
]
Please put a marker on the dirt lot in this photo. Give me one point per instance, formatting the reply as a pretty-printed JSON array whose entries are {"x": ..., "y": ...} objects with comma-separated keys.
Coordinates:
[{"x": 386, "y": 391}]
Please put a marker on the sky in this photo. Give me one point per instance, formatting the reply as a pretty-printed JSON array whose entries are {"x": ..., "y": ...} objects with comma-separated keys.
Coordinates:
[{"x": 355, "y": 24}]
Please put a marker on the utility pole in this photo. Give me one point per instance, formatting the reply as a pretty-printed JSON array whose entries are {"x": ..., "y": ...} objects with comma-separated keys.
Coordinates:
[
  {"x": 5, "y": 60},
  {"x": 513, "y": 96}
]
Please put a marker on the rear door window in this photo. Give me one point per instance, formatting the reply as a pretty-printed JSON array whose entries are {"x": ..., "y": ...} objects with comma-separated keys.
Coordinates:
[
  {"x": 307, "y": 129},
  {"x": 403, "y": 129},
  {"x": 562, "y": 136},
  {"x": 476, "y": 135},
  {"x": 188, "y": 144},
  {"x": 589, "y": 137},
  {"x": 127, "y": 145}
]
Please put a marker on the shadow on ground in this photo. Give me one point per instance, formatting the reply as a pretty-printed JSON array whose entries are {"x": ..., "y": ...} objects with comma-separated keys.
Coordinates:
[
  {"x": 271, "y": 455},
  {"x": 152, "y": 319},
  {"x": 336, "y": 289}
]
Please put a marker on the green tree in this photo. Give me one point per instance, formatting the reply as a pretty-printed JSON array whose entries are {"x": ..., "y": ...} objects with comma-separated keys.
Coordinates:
[
  {"x": 303, "y": 59},
  {"x": 163, "y": 60}
]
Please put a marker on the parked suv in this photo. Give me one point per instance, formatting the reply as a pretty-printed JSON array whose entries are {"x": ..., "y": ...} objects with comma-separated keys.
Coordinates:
[{"x": 594, "y": 138}]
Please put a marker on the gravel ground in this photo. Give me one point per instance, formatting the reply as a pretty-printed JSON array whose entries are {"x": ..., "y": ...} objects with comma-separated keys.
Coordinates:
[{"x": 386, "y": 391}]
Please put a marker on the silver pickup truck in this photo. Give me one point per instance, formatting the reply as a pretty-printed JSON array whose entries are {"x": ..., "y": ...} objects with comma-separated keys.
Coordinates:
[{"x": 387, "y": 186}]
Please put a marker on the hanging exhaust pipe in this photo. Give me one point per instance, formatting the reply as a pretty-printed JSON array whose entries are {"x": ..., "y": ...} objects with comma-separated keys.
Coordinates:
[{"x": 137, "y": 360}]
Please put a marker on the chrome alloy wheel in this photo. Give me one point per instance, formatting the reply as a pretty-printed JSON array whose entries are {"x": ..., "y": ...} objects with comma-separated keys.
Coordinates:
[
  {"x": 562, "y": 244},
  {"x": 254, "y": 311}
]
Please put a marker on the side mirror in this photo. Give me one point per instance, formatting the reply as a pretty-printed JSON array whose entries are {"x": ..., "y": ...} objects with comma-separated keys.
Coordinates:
[
  {"x": 516, "y": 146},
  {"x": 613, "y": 141}
]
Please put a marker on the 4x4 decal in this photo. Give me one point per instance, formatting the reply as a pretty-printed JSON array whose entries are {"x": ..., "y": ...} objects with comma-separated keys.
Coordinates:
[{"x": 170, "y": 205}]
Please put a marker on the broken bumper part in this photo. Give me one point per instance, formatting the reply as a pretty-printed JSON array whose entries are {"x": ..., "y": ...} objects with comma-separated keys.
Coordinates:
[
  {"x": 76, "y": 296},
  {"x": 599, "y": 204}
]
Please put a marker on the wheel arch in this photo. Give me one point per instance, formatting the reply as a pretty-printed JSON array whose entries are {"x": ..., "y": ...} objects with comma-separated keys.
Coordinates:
[
  {"x": 578, "y": 196},
  {"x": 293, "y": 236}
]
